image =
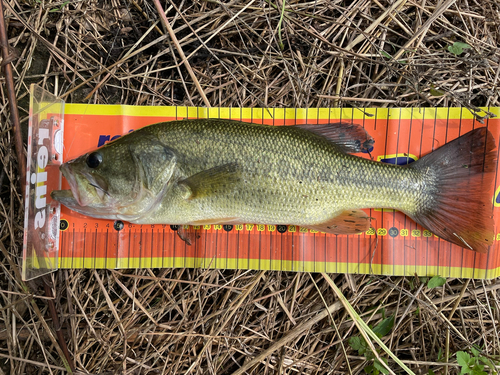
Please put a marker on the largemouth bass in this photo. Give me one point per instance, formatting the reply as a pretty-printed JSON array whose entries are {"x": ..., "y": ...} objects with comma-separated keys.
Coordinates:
[{"x": 228, "y": 172}]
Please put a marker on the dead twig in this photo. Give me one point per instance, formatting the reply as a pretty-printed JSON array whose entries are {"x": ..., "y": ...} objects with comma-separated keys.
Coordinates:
[{"x": 7, "y": 59}]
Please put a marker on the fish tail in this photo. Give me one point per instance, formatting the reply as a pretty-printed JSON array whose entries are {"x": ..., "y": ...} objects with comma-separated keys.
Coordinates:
[{"x": 456, "y": 205}]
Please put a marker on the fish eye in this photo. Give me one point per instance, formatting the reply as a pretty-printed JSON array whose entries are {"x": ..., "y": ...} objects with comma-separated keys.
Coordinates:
[{"x": 94, "y": 159}]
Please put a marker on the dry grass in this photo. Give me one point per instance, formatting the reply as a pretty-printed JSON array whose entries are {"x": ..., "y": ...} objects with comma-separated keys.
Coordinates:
[{"x": 249, "y": 54}]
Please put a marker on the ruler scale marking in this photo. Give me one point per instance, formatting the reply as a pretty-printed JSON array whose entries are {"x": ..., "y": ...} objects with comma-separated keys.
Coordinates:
[{"x": 309, "y": 249}]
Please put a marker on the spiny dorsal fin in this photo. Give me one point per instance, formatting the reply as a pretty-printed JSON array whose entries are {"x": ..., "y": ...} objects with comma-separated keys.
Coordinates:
[{"x": 351, "y": 138}]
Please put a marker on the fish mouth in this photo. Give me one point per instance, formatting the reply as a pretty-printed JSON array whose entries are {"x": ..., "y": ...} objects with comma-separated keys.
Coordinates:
[
  {"x": 73, "y": 180},
  {"x": 66, "y": 198},
  {"x": 89, "y": 195},
  {"x": 85, "y": 196},
  {"x": 85, "y": 189},
  {"x": 70, "y": 177}
]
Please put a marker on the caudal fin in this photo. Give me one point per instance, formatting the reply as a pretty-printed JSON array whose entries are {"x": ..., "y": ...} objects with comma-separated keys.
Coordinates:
[{"x": 458, "y": 205}]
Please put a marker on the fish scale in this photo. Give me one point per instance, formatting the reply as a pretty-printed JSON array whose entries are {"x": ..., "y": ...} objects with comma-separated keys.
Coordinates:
[{"x": 318, "y": 180}]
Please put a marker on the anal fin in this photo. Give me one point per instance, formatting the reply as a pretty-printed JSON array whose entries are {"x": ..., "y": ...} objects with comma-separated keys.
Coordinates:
[{"x": 348, "y": 222}]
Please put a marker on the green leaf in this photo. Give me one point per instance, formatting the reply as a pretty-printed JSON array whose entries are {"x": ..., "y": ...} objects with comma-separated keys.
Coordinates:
[
  {"x": 435, "y": 282},
  {"x": 379, "y": 366},
  {"x": 436, "y": 92},
  {"x": 369, "y": 354},
  {"x": 461, "y": 45},
  {"x": 384, "y": 327},
  {"x": 370, "y": 369},
  {"x": 385, "y": 54},
  {"x": 359, "y": 344},
  {"x": 478, "y": 370},
  {"x": 488, "y": 363},
  {"x": 58, "y": 9},
  {"x": 458, "y": 47},
  {"x": 485, "y": 360},
  {"x": 355, "y": 343},
  {"x": 475, "y": 351},
  {"x": 440, "y": 355},
  {"x": 431, "y": 372},
  {"x": 455, "y": 50},
  {"x": 463, "y": 360}
]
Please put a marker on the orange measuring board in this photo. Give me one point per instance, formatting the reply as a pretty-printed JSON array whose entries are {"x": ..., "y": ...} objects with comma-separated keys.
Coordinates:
[{"x": 395, "y": 245}]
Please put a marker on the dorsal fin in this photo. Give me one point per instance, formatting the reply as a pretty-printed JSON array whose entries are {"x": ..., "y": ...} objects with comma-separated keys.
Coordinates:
[{"x": 350, "y": 138}]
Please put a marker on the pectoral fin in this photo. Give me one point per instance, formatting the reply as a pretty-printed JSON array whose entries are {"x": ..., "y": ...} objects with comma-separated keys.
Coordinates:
[
  {"x": 188, "y": 235},
  {"x": 348, "y": 222},
  {"x": 211, "y": 181}
]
